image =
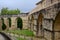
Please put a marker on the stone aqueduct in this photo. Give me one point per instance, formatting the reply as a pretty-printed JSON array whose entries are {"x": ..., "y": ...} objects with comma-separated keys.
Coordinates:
[
  {"x": 44, "y": 19},
  {"x": 13, "y": 18}
]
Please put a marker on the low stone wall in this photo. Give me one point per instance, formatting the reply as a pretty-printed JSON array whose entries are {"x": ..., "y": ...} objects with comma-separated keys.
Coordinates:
[
  {"x": 21, "y": 36},
  {"x": 4, "y": 36},
  {"x": 25, "y": 37}
]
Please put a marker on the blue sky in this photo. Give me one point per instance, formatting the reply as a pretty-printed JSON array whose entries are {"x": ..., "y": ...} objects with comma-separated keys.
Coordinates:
[{"x": 23, "y": 5}]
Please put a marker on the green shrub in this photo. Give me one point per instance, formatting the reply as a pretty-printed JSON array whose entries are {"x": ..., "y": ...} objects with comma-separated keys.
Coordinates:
[{"x": 3, "y": 26}]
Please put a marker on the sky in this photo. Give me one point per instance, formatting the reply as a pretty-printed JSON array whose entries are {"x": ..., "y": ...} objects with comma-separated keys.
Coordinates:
[{"x": 23, "y": 5}]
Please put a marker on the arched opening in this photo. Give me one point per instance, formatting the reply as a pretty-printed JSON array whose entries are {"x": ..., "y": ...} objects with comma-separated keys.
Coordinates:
[
  {"x": 9, "y": 19},
  {"x": 19, "y": 23},
  {"x": 39, "y": 25},
  {"x": 3, "y": 24},
  {"x": 56, "y": 27},
  {"x": 57, "y": 22}
]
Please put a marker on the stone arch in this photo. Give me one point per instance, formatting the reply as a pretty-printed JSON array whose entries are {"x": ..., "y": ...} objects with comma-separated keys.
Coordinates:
[
  {"x": 19, "y": 23},
  {"x": 56, "y": 27},
  {"x": 3, "y": 24},
  {"x": 57, "y": 22},
  {"x": 9, "y": 21},
  {"x": 39, "y": 25}
]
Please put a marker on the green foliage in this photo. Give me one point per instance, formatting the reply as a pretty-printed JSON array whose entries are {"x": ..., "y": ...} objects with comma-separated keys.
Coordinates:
[
  {"x": 19, "y": 23},
  {"x": 9, "y": 22},
  {"x": 14, "y": 11},
  {"x": 22, "y": 32},
  {"x": 18, "y": 38},
  {"x": 5, "y": 11},
  {"x": 3, "y": 25}
]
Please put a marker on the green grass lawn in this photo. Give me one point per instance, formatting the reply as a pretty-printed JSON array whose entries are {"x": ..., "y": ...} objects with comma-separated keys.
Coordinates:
[
  {"x": 20, "y": 38},
  {"x": 22, "y": 32}
]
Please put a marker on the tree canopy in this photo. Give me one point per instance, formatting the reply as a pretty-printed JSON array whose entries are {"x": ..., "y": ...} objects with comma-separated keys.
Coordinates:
[{"x": 7, "y": 11}]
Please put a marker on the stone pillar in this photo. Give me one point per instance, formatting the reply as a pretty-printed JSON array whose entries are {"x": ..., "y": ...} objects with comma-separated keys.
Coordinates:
[
  {"x": 47, "y": 24},
  {"x": 32, "y": 26},
  {"x": 48, "y": 28},
  {"x": 57, "y": 35},
  {"x": 29, "y": 24},
  {"x": 0, "y": 24},
  {"x": 6, "y": 22},
  {"x": 35, "y": 24},
  {"x": 40, "y": 30},
  {"x": 25, "y": 22},
  {"x": 35, "y": 27},
  {"x": 13, "y": 23},
  {"x": 48, "y": 35}
]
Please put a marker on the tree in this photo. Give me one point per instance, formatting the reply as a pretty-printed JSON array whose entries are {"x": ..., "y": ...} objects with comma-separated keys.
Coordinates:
[{"x": 5, "y": 11}]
